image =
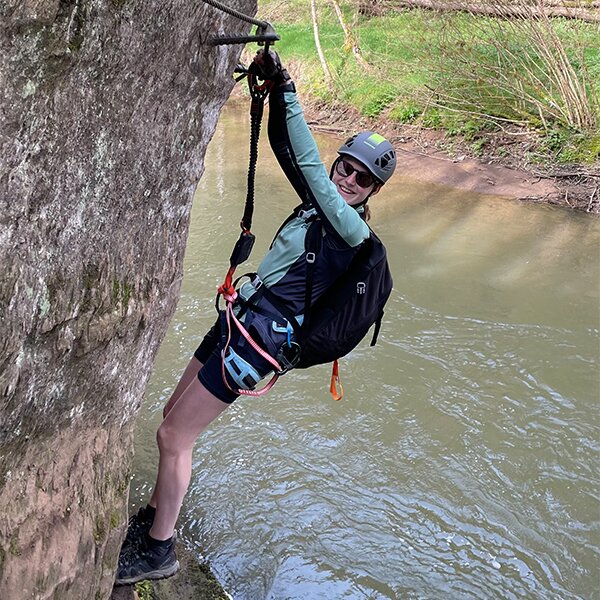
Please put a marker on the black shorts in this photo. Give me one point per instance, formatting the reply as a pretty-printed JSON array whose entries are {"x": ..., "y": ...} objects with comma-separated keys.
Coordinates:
[{"x": 242, "y": 360}]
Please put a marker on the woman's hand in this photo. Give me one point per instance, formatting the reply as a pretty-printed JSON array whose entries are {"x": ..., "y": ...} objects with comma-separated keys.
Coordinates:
[{"x": 270, "y": 67}]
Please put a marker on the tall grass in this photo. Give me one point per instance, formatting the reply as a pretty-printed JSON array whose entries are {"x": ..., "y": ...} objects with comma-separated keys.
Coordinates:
[
  {"x": 456, "y": 70},
  {"x": 516, "y": 69}
]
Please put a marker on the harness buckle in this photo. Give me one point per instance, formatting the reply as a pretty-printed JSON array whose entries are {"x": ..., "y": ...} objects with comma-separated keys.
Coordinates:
[
  {"x": 256, "y": 282},
  {"x": 307, "y": 215}
]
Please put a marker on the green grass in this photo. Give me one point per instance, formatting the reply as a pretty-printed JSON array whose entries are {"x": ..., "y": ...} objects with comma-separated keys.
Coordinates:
[
  {"x": 416, "y": 53},
  {"x": 144, "y": 590}
]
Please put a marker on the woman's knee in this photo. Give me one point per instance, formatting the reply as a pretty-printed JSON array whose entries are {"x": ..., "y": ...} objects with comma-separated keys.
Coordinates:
[{"x": 169, "y": 441}]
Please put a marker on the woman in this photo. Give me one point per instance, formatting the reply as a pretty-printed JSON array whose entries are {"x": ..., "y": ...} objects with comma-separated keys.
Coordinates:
[{"x": 219, "y": 372}]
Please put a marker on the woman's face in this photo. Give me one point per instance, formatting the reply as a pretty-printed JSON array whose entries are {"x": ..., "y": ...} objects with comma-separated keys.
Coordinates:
[{"x": 345, "y": 174}]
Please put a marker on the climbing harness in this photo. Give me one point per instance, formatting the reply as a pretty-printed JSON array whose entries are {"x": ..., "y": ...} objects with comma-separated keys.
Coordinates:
[{"x": 264, "y": 30}]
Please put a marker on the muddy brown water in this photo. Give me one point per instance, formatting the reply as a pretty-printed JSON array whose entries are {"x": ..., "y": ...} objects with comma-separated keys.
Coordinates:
[{"x": 463, "y": 460}]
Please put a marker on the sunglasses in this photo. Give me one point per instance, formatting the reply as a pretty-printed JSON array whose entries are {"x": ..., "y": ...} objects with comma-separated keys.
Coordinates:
[{"x": 363, "y": 178}]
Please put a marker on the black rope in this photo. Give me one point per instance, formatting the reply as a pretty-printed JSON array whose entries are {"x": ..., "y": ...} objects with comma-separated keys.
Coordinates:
[
  {"x": 265, "y": 34},
  {"x": 243, "y": 246},
  {"x": 255, "y": 119},
  {"x": 258, "y": 94}
]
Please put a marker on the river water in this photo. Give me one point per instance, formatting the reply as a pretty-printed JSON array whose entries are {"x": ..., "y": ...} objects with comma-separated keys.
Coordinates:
[{"x": 462, "y": 461}]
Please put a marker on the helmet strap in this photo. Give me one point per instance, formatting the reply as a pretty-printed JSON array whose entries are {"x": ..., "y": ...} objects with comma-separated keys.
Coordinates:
[{"x": 335, "y": 162}]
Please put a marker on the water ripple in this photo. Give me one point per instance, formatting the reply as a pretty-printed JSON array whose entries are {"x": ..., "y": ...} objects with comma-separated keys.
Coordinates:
[{"x": 462, "y": 462}]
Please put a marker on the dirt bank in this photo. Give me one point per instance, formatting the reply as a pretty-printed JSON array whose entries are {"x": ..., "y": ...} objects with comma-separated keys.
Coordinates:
[{"x": 503, "y": 168}]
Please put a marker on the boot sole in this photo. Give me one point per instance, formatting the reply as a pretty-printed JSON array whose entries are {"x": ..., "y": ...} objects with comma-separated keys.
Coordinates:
[{"x": 152, "y": 575}]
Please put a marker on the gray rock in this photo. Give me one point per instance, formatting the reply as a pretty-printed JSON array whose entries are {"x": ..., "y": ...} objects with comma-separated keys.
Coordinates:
[{"x": 106, "y": 109}]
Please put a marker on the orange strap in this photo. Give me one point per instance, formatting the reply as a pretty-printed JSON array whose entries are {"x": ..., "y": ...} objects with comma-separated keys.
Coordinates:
[
  {"x": 336, "y": 382},
  {"x": 226, "y": 288}
]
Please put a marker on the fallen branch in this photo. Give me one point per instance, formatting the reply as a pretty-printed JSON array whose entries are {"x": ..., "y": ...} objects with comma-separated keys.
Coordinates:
[
  {"x": 589, "y": 208},
  {"x": 590, "y": 15},
  {"x": 567, "y": 174}
]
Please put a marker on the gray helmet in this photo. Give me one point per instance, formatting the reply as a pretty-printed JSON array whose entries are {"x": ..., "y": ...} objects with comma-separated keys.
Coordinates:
[{"x": 374, "y": 151}]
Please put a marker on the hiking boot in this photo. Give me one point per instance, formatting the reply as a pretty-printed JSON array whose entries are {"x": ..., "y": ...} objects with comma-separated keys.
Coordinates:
[
  {"x": 138, "y": 526},
  {"x": 144, "y": 560}
]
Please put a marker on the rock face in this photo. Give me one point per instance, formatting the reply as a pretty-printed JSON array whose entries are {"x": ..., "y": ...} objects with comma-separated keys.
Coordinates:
[{"x": 106, "y": 109}]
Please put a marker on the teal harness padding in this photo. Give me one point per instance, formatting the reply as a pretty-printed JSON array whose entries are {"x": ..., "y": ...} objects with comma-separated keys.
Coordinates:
[{"x": 240, "y": 370}]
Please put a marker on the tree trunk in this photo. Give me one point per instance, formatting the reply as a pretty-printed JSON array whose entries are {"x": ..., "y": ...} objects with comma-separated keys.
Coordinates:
[
  {"x": 106, "y": 109},
  {"x": 326, "y": 72},
  {"x": 349, "y": 39}
]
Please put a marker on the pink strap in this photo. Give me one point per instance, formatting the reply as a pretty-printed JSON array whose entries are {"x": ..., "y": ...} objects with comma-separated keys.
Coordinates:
[{"x": 229, "y": 314}]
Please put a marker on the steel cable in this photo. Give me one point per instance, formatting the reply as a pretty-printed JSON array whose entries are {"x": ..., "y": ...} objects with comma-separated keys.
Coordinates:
[{"x": 236, "y": 13}]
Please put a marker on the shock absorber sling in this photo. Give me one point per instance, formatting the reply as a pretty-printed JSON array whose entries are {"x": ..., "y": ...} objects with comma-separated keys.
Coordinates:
[
  {"x": 265, "y": 35},
  {"x": 243, "y": 247}
]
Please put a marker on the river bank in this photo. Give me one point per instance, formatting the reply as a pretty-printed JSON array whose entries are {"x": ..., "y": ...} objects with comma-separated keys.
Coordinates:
[
  {"x": 434, "y": 81},
  {"x": 502, "y": 169}
]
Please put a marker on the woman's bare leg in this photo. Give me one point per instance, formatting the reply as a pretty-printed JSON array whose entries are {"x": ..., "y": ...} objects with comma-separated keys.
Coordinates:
[
  {"x": 176, "y": 436},
  {"x": 190, "y": 373},
  {"x": 154, "y": 557}
]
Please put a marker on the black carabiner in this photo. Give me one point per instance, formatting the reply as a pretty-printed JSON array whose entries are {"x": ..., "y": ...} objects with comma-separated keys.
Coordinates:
[{"x": 288, "y": 356}]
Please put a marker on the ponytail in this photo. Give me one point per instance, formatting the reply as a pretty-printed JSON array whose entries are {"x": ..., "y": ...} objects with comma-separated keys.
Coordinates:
[{"x": 366, "y": 213}]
